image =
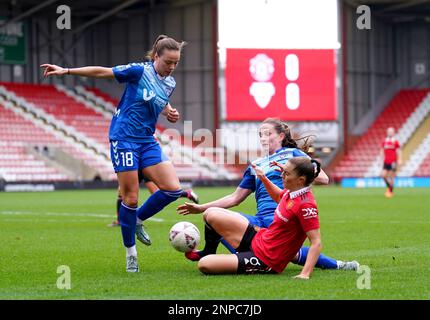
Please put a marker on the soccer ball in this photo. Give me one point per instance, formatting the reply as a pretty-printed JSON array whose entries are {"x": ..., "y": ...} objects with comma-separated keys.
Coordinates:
[{"x": 184, "y": 236}]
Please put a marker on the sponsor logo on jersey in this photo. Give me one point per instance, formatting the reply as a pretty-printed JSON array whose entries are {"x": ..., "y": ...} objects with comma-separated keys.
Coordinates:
[
  {"x": 168, "y": 91},
  {"x": 310, "y": 213},
  {"x": 148, "y": 95}
]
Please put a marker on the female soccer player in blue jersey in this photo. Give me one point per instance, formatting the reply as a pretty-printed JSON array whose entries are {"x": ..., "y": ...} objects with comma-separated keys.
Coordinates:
[
  {"x": 149, "y": 86},
  {"x": 275, "y": 137}
]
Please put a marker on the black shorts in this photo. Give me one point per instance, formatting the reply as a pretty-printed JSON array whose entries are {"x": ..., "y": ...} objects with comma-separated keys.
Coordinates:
[
  {"x": 390, "y": 166},
  {"x": 248, "y": 262}
]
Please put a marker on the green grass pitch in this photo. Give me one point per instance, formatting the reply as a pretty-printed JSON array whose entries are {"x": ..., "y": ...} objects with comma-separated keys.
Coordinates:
[{"x": 41, "y": 231}]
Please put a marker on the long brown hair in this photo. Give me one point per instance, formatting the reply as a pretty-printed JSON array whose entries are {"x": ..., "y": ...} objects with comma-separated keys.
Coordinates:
[
  {"x": 289, "y": 141},
  {"x": 162, "y": 43}
]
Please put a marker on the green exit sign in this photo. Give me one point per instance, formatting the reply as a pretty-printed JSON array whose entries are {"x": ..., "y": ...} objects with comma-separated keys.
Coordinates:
[{"x": 12, "y": 43}]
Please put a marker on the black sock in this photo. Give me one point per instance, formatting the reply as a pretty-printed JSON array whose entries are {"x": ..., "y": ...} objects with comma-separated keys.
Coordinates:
[
  {"x": 387, "y": 183},
  {"x": 118, "y": 205},
  {"x": 212, "y": 239}
]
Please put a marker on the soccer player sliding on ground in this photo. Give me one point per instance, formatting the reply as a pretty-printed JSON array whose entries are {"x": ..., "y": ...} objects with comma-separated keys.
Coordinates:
[
  {"x": 275, "y": 137},
  {"x": 267, "y": 250}
]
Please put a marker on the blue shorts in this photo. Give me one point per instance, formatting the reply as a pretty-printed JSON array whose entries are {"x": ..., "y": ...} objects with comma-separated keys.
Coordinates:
[
  {"x": 130, "y": 156},
  {"x": 262, "y": 221}
]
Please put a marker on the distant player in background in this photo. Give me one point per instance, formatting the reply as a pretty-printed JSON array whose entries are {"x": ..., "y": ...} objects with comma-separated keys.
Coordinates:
[
  {"x": 392, "y": 159},
  {"x": 152, "y": 187}
]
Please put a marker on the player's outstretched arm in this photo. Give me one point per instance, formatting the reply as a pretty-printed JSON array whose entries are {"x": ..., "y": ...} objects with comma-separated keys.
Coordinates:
[
  {"x": 231, "y": 200},
  {"x": 314, "y": 237},
  {"x": 273, "y": 190},
  {"x": 92, "y": 72},
  {"x": 322, "y": 178}
]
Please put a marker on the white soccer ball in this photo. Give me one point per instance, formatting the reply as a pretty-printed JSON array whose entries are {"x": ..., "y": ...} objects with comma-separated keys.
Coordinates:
[{"x": 184, "y": 236}]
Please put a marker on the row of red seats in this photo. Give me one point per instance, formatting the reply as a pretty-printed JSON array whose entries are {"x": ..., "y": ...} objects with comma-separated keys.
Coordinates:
[{"x": 367, "y": 147}]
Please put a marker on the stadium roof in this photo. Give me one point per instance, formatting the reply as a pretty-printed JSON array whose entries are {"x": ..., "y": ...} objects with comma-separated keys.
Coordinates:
[
  {"x": 397, "y": 11},
  {"x": 391, "y": 10},
  {"x": 85, "y": 8}
]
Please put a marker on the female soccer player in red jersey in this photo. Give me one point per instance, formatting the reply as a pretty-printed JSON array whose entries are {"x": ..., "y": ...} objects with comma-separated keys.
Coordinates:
[
  {"x": 392, "y": 159},
  {"x": 268, "y": 250}
]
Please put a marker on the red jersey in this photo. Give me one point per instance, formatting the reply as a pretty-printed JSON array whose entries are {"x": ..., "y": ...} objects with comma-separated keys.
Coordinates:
[
  {"x": 295, "y": 215},
  {"x": 390, "y": 146}
]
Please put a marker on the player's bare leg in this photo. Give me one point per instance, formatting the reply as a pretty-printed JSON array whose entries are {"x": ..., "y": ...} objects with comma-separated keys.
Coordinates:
[
  {"x": 385, "y": 176},
  {"x": 115, "y": 223},
  {"x": 219, "y": 264},
  {"x": 220, "y": 223}
]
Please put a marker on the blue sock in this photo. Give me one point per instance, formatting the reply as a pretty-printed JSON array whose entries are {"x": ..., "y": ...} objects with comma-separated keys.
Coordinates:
[
  {"x": 156, "y": 202},
  {"x": 228, "y": 246},
  {"x": 127, "y": 218},
  {"x": 323, "y": 261}
]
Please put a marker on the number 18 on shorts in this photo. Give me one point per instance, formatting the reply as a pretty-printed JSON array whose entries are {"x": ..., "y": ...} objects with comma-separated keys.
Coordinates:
[{"x": 129, "y": 156}]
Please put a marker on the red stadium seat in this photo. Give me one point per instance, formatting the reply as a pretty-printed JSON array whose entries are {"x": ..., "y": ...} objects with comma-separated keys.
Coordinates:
[{"x": 367, "y": 147}]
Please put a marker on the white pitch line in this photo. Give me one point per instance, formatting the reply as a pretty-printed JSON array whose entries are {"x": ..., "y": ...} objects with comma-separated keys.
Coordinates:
[{"x": 67, "y": 214}]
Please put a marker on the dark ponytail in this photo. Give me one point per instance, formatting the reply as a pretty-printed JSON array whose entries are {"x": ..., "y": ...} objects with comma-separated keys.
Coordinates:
[
  {"x": 308, "y": 168},
  {"x": 317, "y": 167}
]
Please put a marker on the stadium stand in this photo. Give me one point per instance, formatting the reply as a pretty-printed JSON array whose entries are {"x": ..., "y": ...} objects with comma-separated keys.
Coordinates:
[
  {"x": 404, "y": 112},
  {"x": 419, "y": 162},
  {"x": 424, "y": 168},
  {"x": 28, "y": 149},
  {"x": 75, "y": 115}
]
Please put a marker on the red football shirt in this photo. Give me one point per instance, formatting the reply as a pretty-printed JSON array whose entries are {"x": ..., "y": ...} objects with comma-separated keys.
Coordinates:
[
  {"x": 390, "y": 146},
  {"x": 295, "y": 215}
]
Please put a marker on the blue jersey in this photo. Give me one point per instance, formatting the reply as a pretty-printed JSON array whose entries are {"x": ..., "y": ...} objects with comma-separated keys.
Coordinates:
[
  {"x": 145, "y": 96},
  {"x": 265, "y": 204}
]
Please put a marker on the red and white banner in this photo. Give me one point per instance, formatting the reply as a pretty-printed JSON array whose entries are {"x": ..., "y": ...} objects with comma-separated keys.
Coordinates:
[{"x": 293, "y": 85}]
